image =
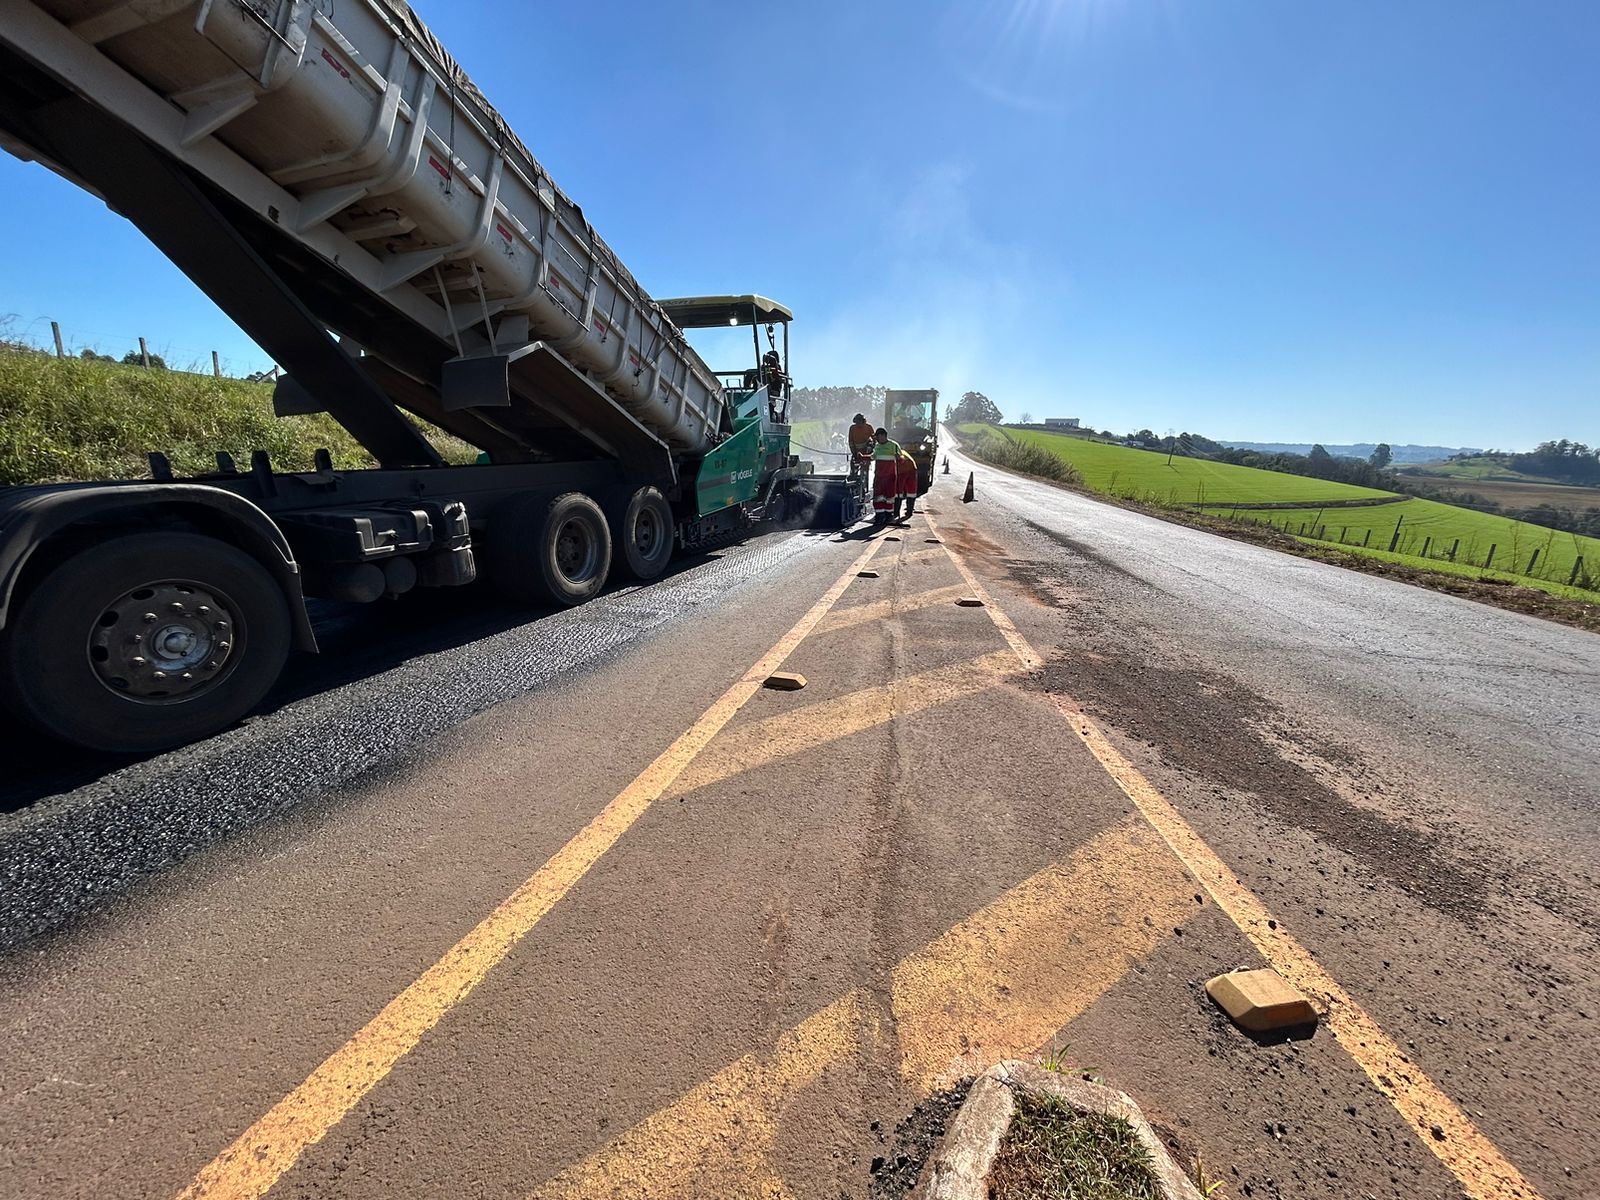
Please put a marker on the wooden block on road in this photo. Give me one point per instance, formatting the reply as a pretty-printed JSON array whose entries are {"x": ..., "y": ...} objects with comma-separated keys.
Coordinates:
[
  {"x": 970, "y": 602},
  {"x": 785, "y": 681},
  {"x": 1261, "y": 1001},
  {"x": 867, "y": 574}
]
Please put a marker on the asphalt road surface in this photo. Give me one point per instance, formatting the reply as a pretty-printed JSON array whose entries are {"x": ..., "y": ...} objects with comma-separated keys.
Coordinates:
[{"x": 569, "y": 905}]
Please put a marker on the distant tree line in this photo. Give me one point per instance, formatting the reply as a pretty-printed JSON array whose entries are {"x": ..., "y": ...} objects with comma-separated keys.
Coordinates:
[
  {"x": 1563, "y": 461},
  {"x": 834, "y": 403}
]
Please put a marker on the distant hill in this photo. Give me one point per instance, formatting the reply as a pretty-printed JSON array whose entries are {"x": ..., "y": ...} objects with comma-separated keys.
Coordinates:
[{"x": 1402, "y": 454}]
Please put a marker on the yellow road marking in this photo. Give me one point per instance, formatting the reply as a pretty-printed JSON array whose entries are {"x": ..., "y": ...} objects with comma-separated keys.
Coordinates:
[
  {"x": 1007, "y": 978},
  {"x": 261, "y": 1155},
  {"x": 717, "y": 1138},
  {"x": 880, "y": 610},
  {"x": 795, "y": 731},
  {"x": 1465, "y": 1151},
  {"x": 995, "y": 985}
]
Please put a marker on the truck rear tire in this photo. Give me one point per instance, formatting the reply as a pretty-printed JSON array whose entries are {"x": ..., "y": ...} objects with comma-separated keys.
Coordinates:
[
  {"x": 145, "y": 642},
  {"x": 644, "y": 534},
  {"x": 550, "y": 550}
]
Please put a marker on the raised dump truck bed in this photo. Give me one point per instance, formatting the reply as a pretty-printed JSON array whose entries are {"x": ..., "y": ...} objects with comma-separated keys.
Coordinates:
[
  {"x": 334, "y": 181},
  {"x": 357, "y": 137}
]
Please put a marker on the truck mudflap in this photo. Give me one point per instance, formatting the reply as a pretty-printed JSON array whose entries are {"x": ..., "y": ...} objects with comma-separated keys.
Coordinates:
[{"x": 31, "y": 516}]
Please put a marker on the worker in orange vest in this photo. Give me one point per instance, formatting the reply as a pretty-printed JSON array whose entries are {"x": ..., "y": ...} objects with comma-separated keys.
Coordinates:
[{"x": 860, "y": 439}]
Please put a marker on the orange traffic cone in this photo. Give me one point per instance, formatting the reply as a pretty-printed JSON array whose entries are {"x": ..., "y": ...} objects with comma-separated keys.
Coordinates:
[{"x": 967, "y": 497}]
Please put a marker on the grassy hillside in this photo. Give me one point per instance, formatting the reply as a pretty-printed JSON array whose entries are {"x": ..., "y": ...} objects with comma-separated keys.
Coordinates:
[
  {"x": 1429, "y": 532},
  {"x": 1476, "y": 468},
  {"x": 1425, "y": 525},
  {"x": 1520, "y": 494},
  {"x": 63, "y": 420},
  {"x": 1146, "y": 475}
]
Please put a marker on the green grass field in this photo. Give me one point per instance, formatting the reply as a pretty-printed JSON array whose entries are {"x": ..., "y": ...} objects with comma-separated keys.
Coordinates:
[
  {"x": 1473, "y": 469},
  {"x": 1430, "y": 529},
  {"x": 1146, "y": 475},
  {"x": 64, "y": 420},
  {"x": 1463, "y": 571},
  {"x": 1429, "y": 532}
]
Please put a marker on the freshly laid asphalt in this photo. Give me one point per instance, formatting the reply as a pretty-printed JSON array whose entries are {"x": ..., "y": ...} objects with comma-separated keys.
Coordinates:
[{"x": 848, "y": 899}]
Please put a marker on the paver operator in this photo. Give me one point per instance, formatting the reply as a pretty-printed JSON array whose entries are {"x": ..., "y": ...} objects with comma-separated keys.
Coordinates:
[{"x": 860, "y": 439}]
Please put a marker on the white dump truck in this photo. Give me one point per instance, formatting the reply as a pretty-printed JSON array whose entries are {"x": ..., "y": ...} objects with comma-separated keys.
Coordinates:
[{"x": 332, "y": 178}]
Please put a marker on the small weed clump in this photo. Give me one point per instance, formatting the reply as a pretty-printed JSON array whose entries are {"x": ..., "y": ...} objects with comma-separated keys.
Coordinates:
[
  {"x": 1060, "y": 1060},
  {"x": 1051, "y": 1151}
]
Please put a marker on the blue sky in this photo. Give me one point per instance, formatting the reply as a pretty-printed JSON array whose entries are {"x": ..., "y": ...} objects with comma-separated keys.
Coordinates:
[{"x": 1334, "y": 222}]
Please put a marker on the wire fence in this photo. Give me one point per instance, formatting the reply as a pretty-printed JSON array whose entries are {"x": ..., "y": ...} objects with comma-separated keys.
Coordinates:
[
  {"x": 1540, "y": 555},
  {"x": 139, "y": 350}
]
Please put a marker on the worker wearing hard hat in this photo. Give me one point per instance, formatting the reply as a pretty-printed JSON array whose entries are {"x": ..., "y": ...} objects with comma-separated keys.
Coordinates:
[{"x": 885, "y": 476}]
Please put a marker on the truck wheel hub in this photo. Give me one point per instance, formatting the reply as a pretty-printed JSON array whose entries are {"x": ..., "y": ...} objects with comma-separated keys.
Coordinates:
[
  {"x": 575, "y": 551},
  {"x": 646, "y": 534},
  {"x": 163, "y": 641}
]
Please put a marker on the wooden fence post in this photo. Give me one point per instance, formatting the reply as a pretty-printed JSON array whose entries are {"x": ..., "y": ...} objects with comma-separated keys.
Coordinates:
[
  {"x": 144, "y": 353},
  {"x": 1577, "y": 566},
  {"x": 216, "y": 365},
  {"x": 1492, "y": 547},
  {"x": 1426, "y": 542},
  {"x": 1367, "y": 537},
  {"x": 55, "y": 330},
  {"x": 1342, "y": 532},
  {"x": 1395, "y": 540},
  {"x": 1533, "y": 560},
  {"x": 1453, "y": 546}
]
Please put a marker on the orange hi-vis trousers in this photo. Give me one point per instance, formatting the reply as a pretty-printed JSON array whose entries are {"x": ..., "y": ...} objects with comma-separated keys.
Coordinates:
[
  {"x": 885, "y": 485},
  {"x": 907, "y": 479}
]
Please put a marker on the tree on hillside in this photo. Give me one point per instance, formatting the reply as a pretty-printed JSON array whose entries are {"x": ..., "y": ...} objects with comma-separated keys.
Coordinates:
[
  {"x": 978, "y": 408},
  {"x": 1026, "y": 418},
  {"x": 1146, "y": 438},
  {"x": 132, "y": 359},
  {"x": 1318, "y": 454},
  {"x": 1382, "y": 455}
]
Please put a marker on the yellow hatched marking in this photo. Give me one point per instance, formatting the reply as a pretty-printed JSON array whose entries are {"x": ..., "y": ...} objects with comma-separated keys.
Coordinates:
[
  {"x": 259, "y": 1157},
  {"x": 746, "y": 747},
  {"x": 1465, "y": 1151},
  {"x": 995, "y": 985},
  {"x": 882, "y": 610}
]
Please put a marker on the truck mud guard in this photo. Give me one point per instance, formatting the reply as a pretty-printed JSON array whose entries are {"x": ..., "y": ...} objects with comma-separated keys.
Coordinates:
[{"x": 31, "y": 516}]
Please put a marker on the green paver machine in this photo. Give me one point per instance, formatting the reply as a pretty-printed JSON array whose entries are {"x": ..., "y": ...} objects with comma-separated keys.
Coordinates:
[
  {"x": 750, "y": 474},
  {"x": 911, "y": 415}
]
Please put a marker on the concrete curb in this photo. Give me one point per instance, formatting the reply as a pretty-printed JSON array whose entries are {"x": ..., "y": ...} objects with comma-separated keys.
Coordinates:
[{"x": 959, "y": 1169}]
